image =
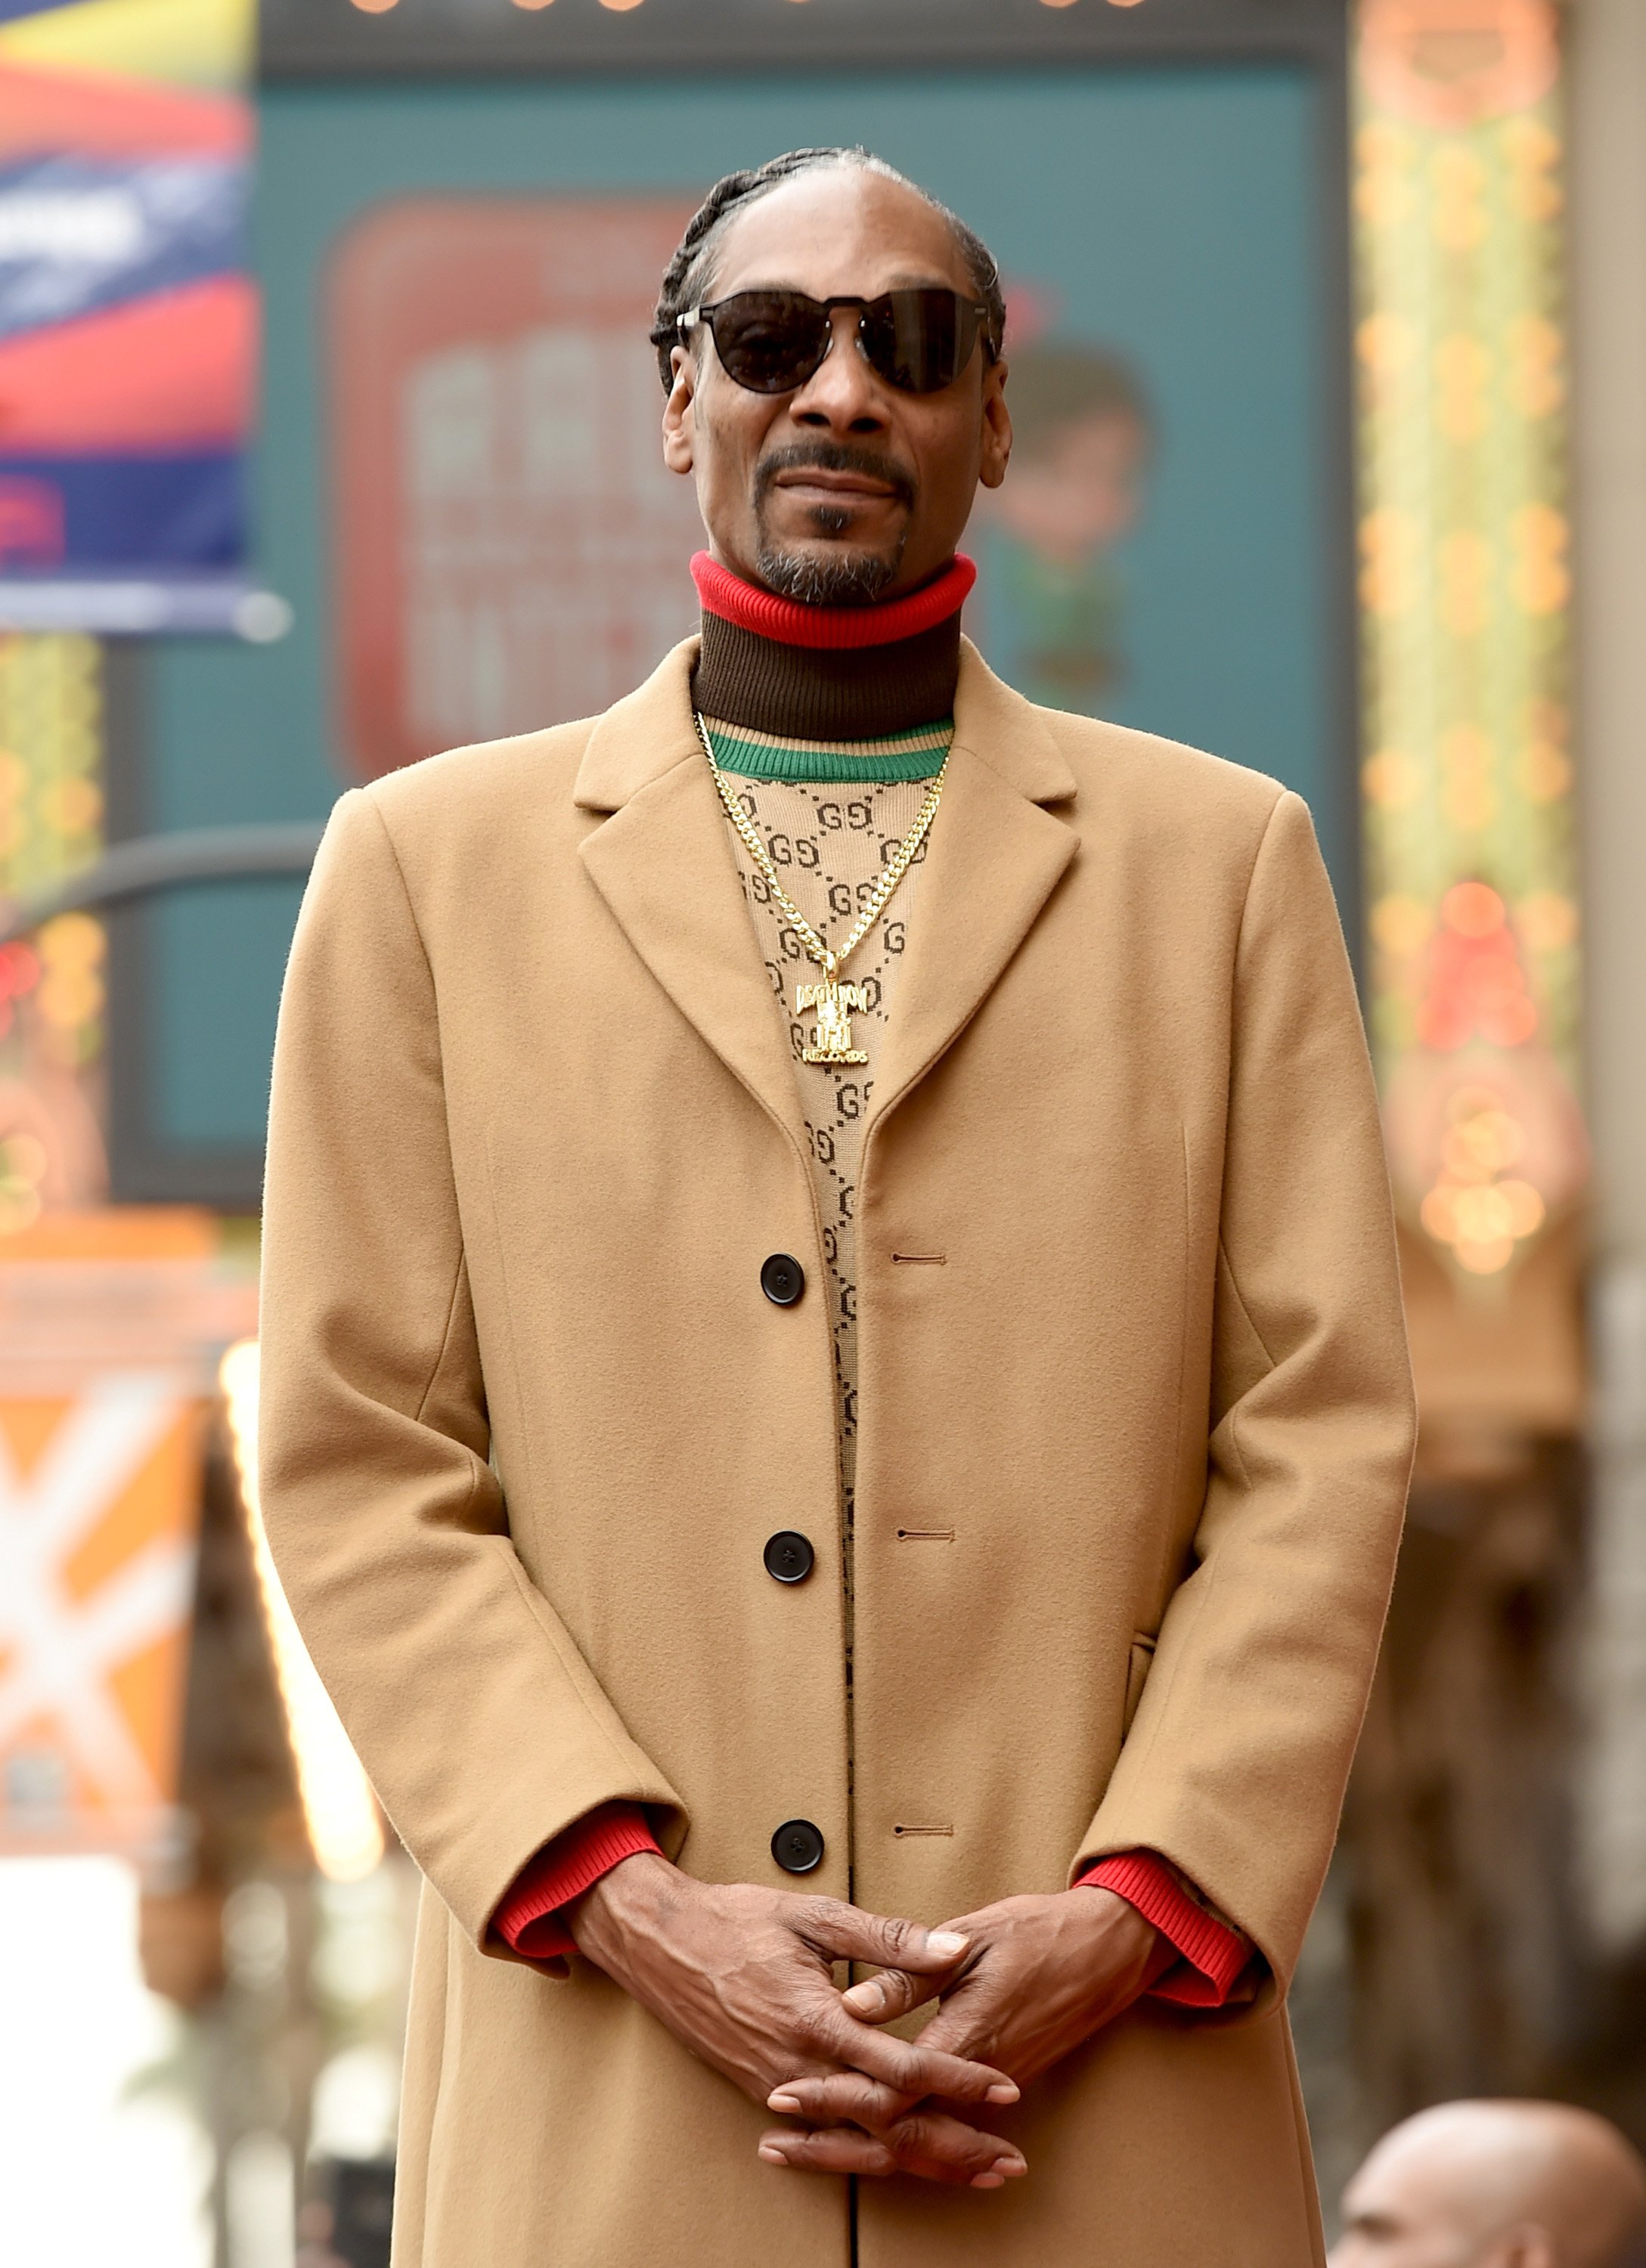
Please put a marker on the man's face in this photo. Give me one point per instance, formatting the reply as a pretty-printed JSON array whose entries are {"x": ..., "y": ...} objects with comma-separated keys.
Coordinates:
[
  {"x": 847, "y": 487},
  {"x": 1408, "y": 2208}
]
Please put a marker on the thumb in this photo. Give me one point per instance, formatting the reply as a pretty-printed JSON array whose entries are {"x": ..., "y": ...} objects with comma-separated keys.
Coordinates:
[
  {"x": 848, "y": 1933},
  {"x": 882, "y": 2000}
]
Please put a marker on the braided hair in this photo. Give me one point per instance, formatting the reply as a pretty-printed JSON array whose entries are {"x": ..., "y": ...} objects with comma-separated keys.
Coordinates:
[{"x": 689, "y": 271}]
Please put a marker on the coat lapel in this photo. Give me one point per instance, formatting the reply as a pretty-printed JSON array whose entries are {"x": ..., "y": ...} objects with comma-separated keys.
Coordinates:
[
  {"x": 663, "y": 863},
  {"x": 994, "y": 858}
]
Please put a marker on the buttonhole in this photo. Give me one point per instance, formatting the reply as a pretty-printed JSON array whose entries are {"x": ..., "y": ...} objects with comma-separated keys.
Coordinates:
[
  {"x": 919, "y": 1259},
  {"x": 922, "y": 1830},
  {"x": 925, "y": 1536}
]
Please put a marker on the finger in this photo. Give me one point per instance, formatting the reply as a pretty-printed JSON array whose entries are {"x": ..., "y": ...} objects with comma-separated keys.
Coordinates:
[
  {"x": 969, "y": 2020},
  {"x": 847, "y": 1933},
  {"x": 825, "y": 2097},
  {"x": 853, "y": 2099},
  {"x": 892, "y": 1993},
  {"x": 912, "y": 2068},
  {"x": 928, "y": 2145}
]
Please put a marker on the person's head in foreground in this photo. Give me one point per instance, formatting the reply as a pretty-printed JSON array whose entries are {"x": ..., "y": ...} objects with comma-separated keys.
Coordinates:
[{"x": 1497, "y": 2185}]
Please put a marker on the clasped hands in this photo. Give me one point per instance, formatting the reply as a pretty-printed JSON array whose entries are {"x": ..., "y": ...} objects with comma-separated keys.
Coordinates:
[{"x": 742, "y": 1977}]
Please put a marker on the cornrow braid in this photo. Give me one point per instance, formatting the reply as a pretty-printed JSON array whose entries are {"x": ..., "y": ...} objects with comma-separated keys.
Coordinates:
[{"x": 689, "y": 272}]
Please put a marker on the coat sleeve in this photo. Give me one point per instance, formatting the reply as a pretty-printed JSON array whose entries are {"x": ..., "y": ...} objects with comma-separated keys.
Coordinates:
[
  {"x": 1236, "y": 1761},
  {"x": 478, "y": 1722}
]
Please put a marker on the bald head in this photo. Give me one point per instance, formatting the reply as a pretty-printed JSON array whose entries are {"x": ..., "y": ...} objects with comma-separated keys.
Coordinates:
[{"x": 1497, "y": 2185}]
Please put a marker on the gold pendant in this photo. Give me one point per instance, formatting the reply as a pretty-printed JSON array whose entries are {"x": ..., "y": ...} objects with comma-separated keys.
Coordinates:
[{"x": 832, "y": 1035}]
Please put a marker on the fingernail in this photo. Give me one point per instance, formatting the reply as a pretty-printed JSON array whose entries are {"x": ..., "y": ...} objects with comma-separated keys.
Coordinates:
[
  {"x": 946, "y": 1945},
  {"x": 995, "y": 2181},
  {"x": 1005, "y": 2093},
  {"x": 772, "y": 2156},
  {"x": 781, "y": 2101},
  {"x": 866, "y": 1999},
  {"x": 1011, "y": 2167}
]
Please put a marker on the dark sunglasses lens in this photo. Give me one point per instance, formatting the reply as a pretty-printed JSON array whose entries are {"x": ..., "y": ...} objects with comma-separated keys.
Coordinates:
[
  {"x": 770, "y": 341},
  {"x": 920, "y": 341}
]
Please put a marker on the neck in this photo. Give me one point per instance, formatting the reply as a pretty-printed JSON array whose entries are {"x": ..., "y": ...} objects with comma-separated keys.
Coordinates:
[{"x": 828, "y": 673}]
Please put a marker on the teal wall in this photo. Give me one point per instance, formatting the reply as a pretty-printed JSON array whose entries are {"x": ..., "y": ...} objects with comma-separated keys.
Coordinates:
[{"x": 1174, "y": 211}]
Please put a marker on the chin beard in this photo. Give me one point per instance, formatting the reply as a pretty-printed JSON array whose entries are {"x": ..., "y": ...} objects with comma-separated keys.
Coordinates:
[{"x": 842, "y": 579}]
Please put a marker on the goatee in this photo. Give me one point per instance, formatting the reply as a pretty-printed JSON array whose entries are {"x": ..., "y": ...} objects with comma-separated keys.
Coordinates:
[{"x": 844, "y": 579}]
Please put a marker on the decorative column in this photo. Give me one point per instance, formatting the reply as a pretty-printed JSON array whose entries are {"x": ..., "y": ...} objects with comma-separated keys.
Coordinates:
[{"x": 1465, "y": 589}]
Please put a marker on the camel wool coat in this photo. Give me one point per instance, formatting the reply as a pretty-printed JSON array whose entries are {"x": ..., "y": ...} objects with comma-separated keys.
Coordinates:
[{"x": 1130, "y": 1460}]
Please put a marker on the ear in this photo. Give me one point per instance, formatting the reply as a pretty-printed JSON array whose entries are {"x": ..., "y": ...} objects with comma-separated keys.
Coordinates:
[
  {"x": 679, "y": 411},
  {"x": 997, "y": 426}
]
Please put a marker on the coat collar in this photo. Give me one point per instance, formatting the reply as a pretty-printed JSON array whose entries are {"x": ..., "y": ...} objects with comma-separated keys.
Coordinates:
[
  {"x": 650, "y": 730},
  {"x": 664, "y": 864}
]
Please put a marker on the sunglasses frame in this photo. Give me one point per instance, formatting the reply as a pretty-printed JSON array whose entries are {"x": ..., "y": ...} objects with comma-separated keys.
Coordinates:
[{"x": 977, "y": 309}]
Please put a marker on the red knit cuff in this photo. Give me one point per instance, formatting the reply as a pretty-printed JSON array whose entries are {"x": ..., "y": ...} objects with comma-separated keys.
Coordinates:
[
  {"x": 531, "y": 1921},
  {"x": 1214, "y": 1953}
]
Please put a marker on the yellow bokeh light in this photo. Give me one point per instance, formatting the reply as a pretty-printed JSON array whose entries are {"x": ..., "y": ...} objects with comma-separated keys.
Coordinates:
[
  {"x": 1393, "y": 779},
  {"x": 1402, "y": 925},
  {"x": 1547, "y": 920},
  {"x": 73, "y": 941}
]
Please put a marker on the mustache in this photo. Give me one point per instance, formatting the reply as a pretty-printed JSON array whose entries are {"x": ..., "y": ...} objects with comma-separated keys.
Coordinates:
[{"x": 833, "y": 457}]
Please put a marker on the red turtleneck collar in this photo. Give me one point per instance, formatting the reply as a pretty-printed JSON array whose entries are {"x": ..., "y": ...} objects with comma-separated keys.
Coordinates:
[{"x": 832, "y": 628}]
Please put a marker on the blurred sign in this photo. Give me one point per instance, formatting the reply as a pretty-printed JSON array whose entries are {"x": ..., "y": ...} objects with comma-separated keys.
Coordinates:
[
  {"x": 128, "y": 321},
  {"x": 510, "y": 550},
  {"x": 107, "y": 1324}
]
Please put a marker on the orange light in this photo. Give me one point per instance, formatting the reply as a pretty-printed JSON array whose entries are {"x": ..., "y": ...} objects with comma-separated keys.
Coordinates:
[
  {"x": 533, "y": 4},
  {"x": 619, "y": 7},
  {"x": 1472, "y": 909},
  {"x": 375, "y": 7},
  {"x": 1057, "y": 3}
]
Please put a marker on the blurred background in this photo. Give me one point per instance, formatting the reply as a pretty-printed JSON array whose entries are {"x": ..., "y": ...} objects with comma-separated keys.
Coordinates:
[{"x": 327, "y": 438}]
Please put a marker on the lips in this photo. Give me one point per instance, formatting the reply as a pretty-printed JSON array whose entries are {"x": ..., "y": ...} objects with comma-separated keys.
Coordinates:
[
  {"x": 829, "y": 475},
  {"x": 815, "y": 482}
]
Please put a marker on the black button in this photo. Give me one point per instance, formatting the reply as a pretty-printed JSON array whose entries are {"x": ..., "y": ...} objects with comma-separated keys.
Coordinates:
[
  {"x": 788, "y": 1555},
  {"x": 782, "y": 1280},
  {"x": 797, "y": 1846}
]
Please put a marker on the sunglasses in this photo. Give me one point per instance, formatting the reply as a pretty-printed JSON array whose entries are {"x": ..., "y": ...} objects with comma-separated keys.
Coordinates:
[{"x": 918, "y": 340}]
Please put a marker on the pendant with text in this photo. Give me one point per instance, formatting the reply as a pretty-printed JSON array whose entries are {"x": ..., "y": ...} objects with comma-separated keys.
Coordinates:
[{"x": 832, "y": 1035}]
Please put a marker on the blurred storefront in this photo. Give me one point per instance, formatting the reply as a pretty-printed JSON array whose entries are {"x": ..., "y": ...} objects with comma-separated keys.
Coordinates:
[{"x": 1289, "y": 293}]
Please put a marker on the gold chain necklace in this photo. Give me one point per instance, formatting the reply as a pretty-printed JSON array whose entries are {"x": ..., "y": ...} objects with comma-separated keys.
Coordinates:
[{"x": 834, "y": 1002}]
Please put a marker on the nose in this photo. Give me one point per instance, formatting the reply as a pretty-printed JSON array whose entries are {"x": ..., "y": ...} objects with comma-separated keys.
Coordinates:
[{"x": 843, "y": 394}]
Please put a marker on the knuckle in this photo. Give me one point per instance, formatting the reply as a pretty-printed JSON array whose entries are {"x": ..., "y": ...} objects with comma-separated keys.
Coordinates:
[
  {"x": 897, "y": 1988},
  {"x": 812, "y": 2028},
  {"x": 912, "y": 2138}
]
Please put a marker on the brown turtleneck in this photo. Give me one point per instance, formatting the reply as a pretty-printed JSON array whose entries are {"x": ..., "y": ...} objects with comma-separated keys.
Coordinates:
[{"x": 862, "y": 694}]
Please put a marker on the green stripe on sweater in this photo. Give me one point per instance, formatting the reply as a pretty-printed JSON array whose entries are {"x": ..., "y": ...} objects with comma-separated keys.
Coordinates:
[{"x": 915, "y": 755}]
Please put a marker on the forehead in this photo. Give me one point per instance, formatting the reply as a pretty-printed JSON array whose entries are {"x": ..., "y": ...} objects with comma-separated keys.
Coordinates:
[
  {"x": 1421, "y": 2183},
  {"x": 839, "y": 230}
]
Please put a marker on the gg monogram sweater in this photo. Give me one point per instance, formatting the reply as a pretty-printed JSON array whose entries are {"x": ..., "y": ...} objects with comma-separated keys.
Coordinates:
[{"x": 831, "y": 737}]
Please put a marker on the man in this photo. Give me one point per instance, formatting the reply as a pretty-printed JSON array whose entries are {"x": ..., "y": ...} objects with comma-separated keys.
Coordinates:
[
  {"x": 756, "y": 1498},
  {"x": 1497, "y": 2185}
]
